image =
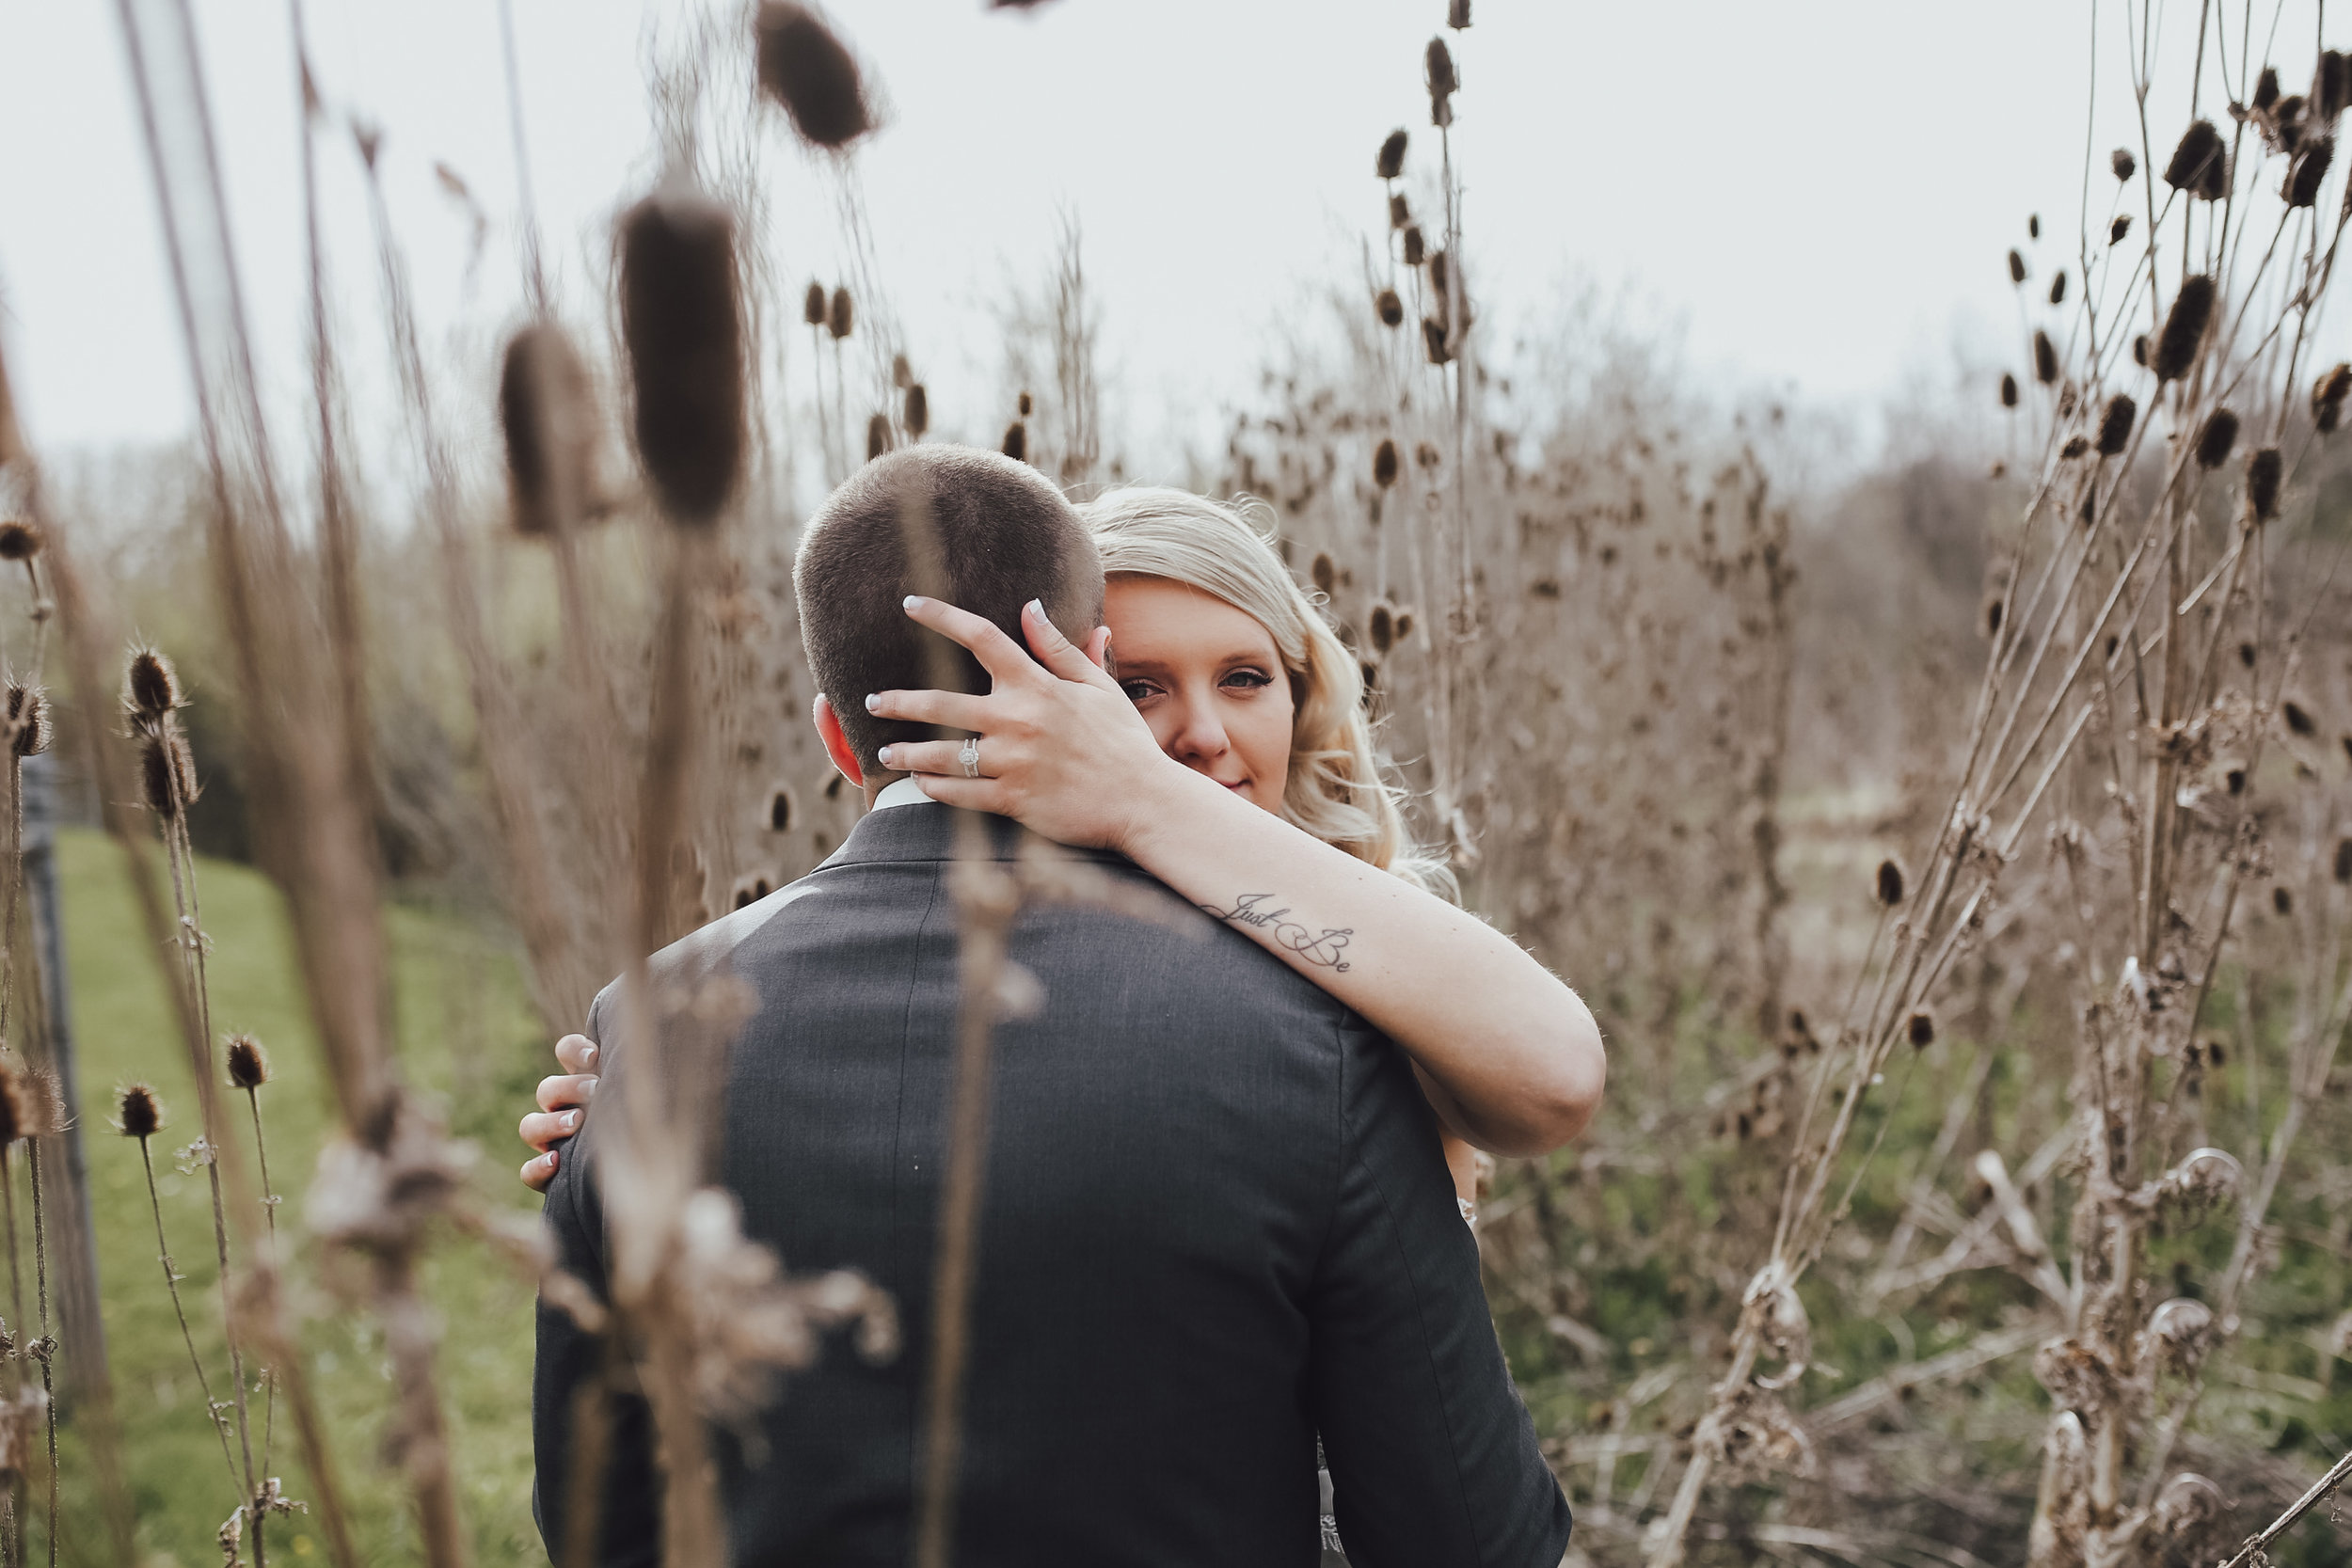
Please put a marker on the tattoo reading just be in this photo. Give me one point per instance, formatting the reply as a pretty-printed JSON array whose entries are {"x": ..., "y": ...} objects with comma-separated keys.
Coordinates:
[{"x": 1323, "y": 950}]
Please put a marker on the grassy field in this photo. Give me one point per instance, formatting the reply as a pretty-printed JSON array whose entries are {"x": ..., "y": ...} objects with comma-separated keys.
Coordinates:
[{"x": 467, "y": 1037}]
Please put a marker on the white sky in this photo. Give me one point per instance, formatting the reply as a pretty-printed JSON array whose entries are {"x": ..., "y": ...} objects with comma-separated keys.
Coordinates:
[{"x": 1819, "y": 192}]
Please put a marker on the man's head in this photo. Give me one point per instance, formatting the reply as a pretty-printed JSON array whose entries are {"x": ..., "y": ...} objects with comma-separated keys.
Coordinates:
[{"x": 979, "y": 530}]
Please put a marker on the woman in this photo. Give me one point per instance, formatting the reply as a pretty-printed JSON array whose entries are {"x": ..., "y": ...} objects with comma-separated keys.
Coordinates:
[{"x": 1231, "y": 758}]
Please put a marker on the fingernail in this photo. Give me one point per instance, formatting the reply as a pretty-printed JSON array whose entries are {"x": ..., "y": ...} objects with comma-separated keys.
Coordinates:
[
  {"x": 873, "y": 702},
  {"x": 1039, "y": 607},
  {"x": 914, "y": 601},
  {"x": 588, "y": 1087},
  {"x": 883, "y": 756},
  {"x": 571, "y": 1119}
]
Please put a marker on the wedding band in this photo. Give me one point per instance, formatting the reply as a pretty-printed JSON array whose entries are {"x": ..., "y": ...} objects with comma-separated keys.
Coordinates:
[{"x": 970, "y": 756}]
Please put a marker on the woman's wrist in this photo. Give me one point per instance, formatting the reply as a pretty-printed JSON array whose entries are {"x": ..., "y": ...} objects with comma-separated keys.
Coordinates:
[{"x": 1172, "y": 809}]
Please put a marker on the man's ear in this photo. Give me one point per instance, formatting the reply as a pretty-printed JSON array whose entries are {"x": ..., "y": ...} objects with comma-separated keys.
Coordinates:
[
  {"x": 1098, "y": 650},
  {"x": 836, "y": 744}
]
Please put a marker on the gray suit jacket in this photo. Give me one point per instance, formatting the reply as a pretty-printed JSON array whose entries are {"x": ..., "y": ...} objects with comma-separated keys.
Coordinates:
[{"x": 1216, "y": 1221}]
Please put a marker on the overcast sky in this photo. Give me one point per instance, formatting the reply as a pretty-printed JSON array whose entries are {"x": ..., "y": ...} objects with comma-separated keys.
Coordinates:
[{"x": 1818, "y": 191}]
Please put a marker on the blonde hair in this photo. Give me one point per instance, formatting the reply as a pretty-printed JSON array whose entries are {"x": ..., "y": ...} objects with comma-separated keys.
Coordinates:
[{"x": 1335, "y": 791}]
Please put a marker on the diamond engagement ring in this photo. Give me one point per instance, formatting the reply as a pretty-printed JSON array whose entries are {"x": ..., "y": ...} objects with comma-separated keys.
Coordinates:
[{"x": 970, "y": 756}]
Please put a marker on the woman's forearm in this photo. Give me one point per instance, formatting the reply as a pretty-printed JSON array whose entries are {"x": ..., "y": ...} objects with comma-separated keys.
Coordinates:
[{"x": 1515, "y": 1055}]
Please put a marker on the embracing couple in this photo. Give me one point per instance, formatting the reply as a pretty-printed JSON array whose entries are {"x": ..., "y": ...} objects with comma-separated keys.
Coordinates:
[{"x": 1231, "y": 1148}]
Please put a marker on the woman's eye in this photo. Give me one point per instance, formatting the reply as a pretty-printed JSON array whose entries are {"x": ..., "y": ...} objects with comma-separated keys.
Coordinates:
[
  {"x": 1136, "y": 690},
  {"x": 1248, "y": 680}
]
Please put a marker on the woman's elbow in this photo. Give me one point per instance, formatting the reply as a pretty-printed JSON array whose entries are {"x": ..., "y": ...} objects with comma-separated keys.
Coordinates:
[{"x": 1561, "y": 1100}]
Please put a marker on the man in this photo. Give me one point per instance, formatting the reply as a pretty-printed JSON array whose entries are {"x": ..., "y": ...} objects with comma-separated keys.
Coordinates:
[{"x": 1215, "y": 1224}]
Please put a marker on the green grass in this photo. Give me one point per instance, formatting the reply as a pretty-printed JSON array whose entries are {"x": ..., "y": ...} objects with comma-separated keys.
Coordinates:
[{"x": 466, "y": 1038}]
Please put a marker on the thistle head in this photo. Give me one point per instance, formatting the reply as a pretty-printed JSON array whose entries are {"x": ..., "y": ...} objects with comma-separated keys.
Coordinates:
[{"x": 249, "y": 1064}]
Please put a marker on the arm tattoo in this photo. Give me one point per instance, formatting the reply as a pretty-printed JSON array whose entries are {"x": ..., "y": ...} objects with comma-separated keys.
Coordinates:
[{"x": 1322, "y": 950}]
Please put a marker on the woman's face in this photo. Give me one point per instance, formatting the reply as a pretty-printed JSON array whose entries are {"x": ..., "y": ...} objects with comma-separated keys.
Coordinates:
[{"x": 1209, "y": 681}]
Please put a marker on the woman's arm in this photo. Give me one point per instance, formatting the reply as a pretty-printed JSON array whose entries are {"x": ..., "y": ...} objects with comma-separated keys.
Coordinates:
[{"x": 1512, "y": 1058}]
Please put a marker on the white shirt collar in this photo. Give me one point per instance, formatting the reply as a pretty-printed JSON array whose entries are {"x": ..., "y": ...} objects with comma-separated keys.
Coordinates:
[{"x": 900, "y": 792}]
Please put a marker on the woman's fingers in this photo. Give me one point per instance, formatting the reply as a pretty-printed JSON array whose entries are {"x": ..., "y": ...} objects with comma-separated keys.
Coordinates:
[
  {"x": 1000, "y": 655},
  {"x": 543, "y": 1129},
  {"x": 955, "y": 711},
  {"x": 970, "y": 794},
  {"x": 538, "y": 1172},
  {"x": 577, "y": 1052},
  {"x": 563, "y": 1091},
  {"x": 942, "y": 757},
  {"x": 1060, "y": 655}
]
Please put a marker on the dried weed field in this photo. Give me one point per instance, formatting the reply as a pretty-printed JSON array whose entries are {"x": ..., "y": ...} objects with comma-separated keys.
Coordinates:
[{"x": 1957, "y": 853}]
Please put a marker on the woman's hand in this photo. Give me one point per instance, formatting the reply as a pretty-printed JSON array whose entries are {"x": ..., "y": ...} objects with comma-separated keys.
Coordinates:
[
  {"x": 1061, "y": 748},
  {"x": 563, "y": 1105}
]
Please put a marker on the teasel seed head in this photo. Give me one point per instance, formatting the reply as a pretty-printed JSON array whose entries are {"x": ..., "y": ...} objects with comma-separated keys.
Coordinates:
[
  {"x": 28, "y": 719},
  {"x": 151, "y": 687},
  {"x": 2033, "y": 226},
  {"x": 168, "y": 774},
  {"x": 2058, "y": 287},
  {"x": 1384, "y": 463},
  {"x": 2016, "y": 267},
  {"x": 2115, "y": 424},
  {"x": 1890, "y": 879},
  {"x": 2331, "y": 84},
  {"x": 2213, "y": 441},
  {"x": 681, "y": 321},
  {"x": 249, "y": 1064},
  {"x": 1024, "y": 405},
  {"x": 1392, "y": 308},
  {"x": 2308, "y": 171},
  {"x": 2184, "y": 327},
  {"x": 2009, "y": 391},
  {"x": 781, "y": 810},
  {"x": 1433, "y": 340},
  {"x": 1404, "y": 625},
  {"x": 1400, "y": 214},
  {"x": 1381, "y": 626},
  {"x": 2342, "y": 868},
  {"x": 2075, "y": 445},
  {"x": 919, "y": 411},
  {"x": 1993, "y": 612},
  {"x": 548, "y": 417},
  {"x": 138, "y": 1113},
  {"x": 1017, "y": 439},
  {"x": 813, "y": 306},
  {"x": 2120, "y": 227},
  {"x": 876, "y": 437},
  {"x": 1457, "y": 14},
  {"x": 2122, "y": 163},
  {"x": 1391, "y": 160},
  {"x": 16, "y": 1108},
  {"x": 2198, "y": 151},
  {"x": 2046, "y": 365},
  {"x": 2282, "y": 900},
  {"x": 750, "y": 889},
  {"x": 2264, "y": 470},
  {"x": 1437, "y": 71},
  {"x": 1323, "y": 573},
  {"x": 20, "y": 539},
  {"x": 804, "y": 67},
  {"x": 1920, "y": 1030},
  {"x": 2327, "y": 395},
  {"x": 901, "y": 374},
  {"x": 2139, "y": 350},
  {"x": 1414, "y": 251},
  {"x": 841, "y": 317}
]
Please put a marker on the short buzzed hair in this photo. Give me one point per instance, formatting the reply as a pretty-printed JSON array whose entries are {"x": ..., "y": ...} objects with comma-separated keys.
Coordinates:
[{"x": 1003, "y": 535}]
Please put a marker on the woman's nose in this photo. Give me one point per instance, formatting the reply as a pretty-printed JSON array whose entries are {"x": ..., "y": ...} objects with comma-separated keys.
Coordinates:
[{"x": 1199, "y": 736}]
